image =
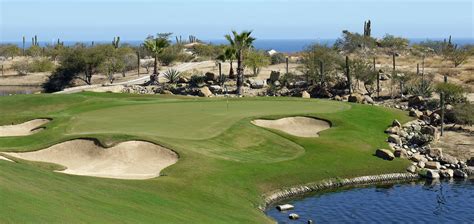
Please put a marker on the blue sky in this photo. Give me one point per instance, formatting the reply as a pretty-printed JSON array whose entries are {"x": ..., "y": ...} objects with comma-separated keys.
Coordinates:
[{"x": 211, "y": 19}]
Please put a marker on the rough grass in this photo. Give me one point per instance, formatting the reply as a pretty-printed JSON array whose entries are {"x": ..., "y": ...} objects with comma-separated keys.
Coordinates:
[{"x": 225, "y": 165}]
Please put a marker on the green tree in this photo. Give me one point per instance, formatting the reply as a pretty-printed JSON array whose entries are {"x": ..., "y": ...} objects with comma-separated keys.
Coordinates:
[
  {"x": 256, "y": 60},
  {"x": 156, "y": 45},
  {"x": 241, "y": 42},
  {"x": 34, "y": 51},
  {"x": 393, "y": 42},
  {"x": 229, "y": 54},
  {"x": 311, "y": 61}
]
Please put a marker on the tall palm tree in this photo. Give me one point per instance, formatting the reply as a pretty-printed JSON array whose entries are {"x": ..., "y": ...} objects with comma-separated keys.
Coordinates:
[
  {"x": 156, "y": 46},
  {"x": 241, "y": 42},
  {"x": 228, "y": 55}
]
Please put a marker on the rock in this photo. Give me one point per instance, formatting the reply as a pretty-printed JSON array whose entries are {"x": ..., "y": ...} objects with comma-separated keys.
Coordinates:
[
  {"x": 300, "y": 84},
  {"x": 449, "y": 159},
  {"x": 430, "y": 130},
  {"x": 274, "y": 76},
  {"x": 183, "y": 80},
  {"x": 384, "y": 154},
  {"x": 435, "y": 119},
  {"x": 470, "y": 162},
  {"x": 215, "y": 88},
  {"x": 435, "y": 152},
  {"x": 257, "y": 84},
  {"x": 338, "y": 98},
  {"x": 430, "y": 174},
  {"x": 416, "y": 101},
  {"x": 418, "y": 158},
  {"x": 392, "y": 130},
  {"x": 167, "y": 92},
  {"x": 421, "y": 164},
  {"x": 460, "y": 174},
  {"x": 285, "y": 207},
  {"x": 447, "y": 173},
  {"x": 396, "y": 123},
  {"x": 411, "y": 169},
  {"x": 210, "y": 76},
  {"x": 415, "y": 113},
  {"x": 204, "y": 92},
  {"x": 277, "y": 83},
  {"x": 433, "y": 165},
  {"x": 356, "y": 98},
  {"x": 305, "y": 95},
  {"x": 293, "y": 216},
  {"x": 400, "y": 153},
  {"x": 368, "y": 99},
  {"x": 394, "y": 139}
]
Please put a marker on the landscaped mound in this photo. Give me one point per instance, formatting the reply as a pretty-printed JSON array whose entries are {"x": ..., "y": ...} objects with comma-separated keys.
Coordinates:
[
  {"x": 23, "y": 129},
  {"x": 127, "y": 160},
  {"x": 297, "y": 126}
]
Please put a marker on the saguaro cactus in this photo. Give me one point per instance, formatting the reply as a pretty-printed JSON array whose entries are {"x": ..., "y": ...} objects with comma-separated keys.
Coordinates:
[
  {"x": 116, "y": 42},
  {"x": 367, "y": 28},
  {"x": 24, "y": 41},
  {"x": 321, "y": 70},
  {"x": 348, "y": 76}
]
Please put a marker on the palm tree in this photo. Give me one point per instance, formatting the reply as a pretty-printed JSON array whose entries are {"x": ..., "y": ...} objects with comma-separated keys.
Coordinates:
[
  {"x": 229, "y": 54},
  {"x": 240, "y": 42},
  {"x": 156, "y": 46}
]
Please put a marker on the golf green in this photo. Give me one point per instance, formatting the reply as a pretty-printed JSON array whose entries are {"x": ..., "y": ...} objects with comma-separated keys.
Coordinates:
[{"x": 225, "y": 163}]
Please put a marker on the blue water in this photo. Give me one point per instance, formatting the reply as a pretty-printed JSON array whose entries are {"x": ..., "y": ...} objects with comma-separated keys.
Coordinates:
[
  {"x": 416, "y": 202},
  {"x": 283, "y": 45}
]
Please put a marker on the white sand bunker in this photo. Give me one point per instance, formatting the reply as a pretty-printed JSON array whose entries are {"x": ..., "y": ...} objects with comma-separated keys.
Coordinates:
[
  {"x": 127, "y": 160},
  {"x": 297, "y": 126},
  {"x": 5, "y": 159},
  {"x": 23, "y": 129}
]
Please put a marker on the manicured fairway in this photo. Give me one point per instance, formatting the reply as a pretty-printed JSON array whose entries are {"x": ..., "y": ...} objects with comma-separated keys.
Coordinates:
[{"x": 225, "y": 164}]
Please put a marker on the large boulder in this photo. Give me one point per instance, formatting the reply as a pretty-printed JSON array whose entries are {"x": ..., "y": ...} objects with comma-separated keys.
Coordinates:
[
  {"x": 400, "y": 153},
  {"x": 394, "y": 139},
  {"x": 215, "y": 88},
  {"x": 392, "y": 130},
  {"x": 356, "y": 98},
  {"x": 416, "y": 101},
  {"x": 384, "y": 154},
  {"x": 305, "y": 94},
  {"x": 396, "y": 123},
  {"x": 435, "y": 152},
  {"x": 447, "y": 173},
  {"x": 430, "y": 174},
  {"x": 210, "y": 76},
  {"x": 411, "y": 169},
  {"x": 257, "y": 84},
  {"x": 432, "y": 165},
  {"x": 415, "y": 113},
  {"x": 369, "y": 99},
  {"x": 470, "y": 162},
  {"x": 460, "y": 174},
  {"x": 418, "y": 158},
  {"x": 204, "y": 92},
  {"x": 449, "y": 159}
]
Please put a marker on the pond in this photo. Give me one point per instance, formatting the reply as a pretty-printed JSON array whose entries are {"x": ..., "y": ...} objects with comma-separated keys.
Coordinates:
[
  {"x": 8, "y": 90},
  {"x": 412, "y": 202}
]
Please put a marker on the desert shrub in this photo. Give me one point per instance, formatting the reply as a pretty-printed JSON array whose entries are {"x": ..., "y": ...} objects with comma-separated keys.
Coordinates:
[
  {"x": 34, "y": 51},
  {"x": 170, "y": 55},
  {"x": 130, "y": 61},
  {"x": 456, "y": 55},
  {"x": 453, "y": 93},
  {"x": 197, "y": 80},
  {"x": 208, "y": 51},
  {"x": 434, "y": 45},
  {"x": 277, "y": 58},
  {"x": 41, "y": 65},
  {"x": 147, "y": 65},
  {"x": 21, "y": 67},
  {"x": 421, "y": 86},
  {"x": 313, "y": 56},
  {"x": 352, "y": 41},
  {"x": 172, "y": 75},
  {"x": 9, "y": 51},
  {"x": 463, "y": 113},
  {"x": 393, "y": 42}
]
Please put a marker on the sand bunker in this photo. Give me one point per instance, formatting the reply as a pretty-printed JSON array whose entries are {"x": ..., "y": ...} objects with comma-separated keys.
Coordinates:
[
  {"x": 127, "y": 160},
  {"x": 297, "y": 126},
  {"x": 5, "y": 158},
  {"x": 23, "y": 129}
]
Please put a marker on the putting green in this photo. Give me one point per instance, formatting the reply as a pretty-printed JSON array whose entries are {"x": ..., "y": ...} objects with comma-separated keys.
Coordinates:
[
  {"x": 189, "y": 120},
  {"x": 225, "y": 162}
]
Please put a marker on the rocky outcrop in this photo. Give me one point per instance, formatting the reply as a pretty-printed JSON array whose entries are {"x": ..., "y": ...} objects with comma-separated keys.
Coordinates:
[
  {"x": 384, "y": 154},
  {"x": 305, "y": 95}
]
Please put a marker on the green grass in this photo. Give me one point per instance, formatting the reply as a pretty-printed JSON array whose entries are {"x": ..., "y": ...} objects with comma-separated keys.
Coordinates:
[{"x": 225, "y": 164}]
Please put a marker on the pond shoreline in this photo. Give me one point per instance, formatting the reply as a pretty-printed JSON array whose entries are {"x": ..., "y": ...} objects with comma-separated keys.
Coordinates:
[{"x": 300, "y": 190}]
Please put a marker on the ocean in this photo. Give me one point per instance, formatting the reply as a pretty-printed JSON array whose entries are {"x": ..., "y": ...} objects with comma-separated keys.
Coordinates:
[{"x": 280, "y": 45}]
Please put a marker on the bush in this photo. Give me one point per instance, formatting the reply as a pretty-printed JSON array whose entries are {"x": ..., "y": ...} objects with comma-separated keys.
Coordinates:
[
  {"x": 197, "y": 80},
  {"x": 278, "y": 58},
  {"x": 420, "y": 87},
  {"x": 41, "y": 65},
  {"x": 453, "y": 93},
  {"x": 9, "y": 51},
  {"x": 172, "y": 75},
  {"x": 21, "y": 67},
  {"x": 353, "y": 41},
  {"x": 393, "y": 42},
  {"x": 463, "y": 114},
  {"x": 208, "y": 51},
  {"x": 170, "y": 55},
  {"x": 256, "y": 60}
]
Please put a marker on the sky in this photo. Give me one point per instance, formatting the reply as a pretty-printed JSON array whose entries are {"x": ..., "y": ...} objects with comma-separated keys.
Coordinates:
[{"x": 85, "y": 20}]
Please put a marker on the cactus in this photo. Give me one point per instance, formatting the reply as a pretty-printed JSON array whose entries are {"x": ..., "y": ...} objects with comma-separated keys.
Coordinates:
[
  {"x": 367, "y": 28},
  {"x": 193, "y": 39},
  {"x": 92, "y": 44},
  {"x": 321, "y": 69},
  {"x": 349, "y": 82},
  {"x": 116, "y": 42},
  {"x": 36, "y": 41},
  {"x": 24, "y": 40}
]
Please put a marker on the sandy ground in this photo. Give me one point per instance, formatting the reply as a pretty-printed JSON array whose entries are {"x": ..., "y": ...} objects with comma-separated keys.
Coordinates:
[
  {"x": 23, "y": 129},
  {"x": 127, "y": 160},
  {"x": 457, "y": 144},
  {"x": 297, "y": 126}
]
